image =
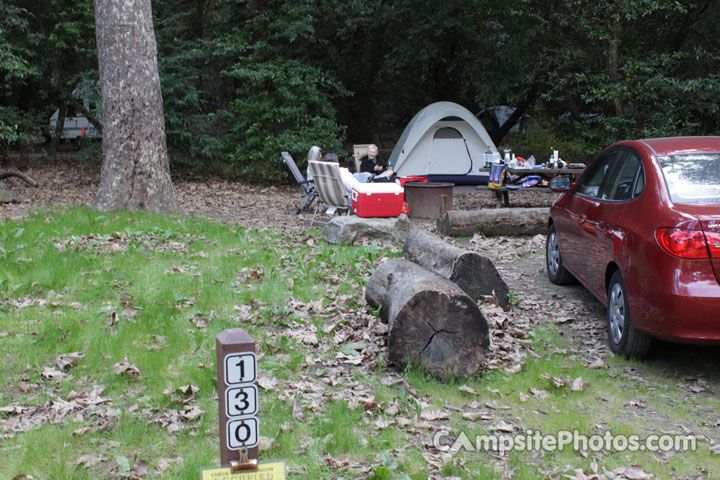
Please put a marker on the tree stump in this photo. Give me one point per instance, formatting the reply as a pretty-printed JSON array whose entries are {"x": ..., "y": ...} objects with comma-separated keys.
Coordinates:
[
  {"x": 494, "y": 222},
  {"x": 475, "y": 274},
  {"x": 432, "y": 323}
]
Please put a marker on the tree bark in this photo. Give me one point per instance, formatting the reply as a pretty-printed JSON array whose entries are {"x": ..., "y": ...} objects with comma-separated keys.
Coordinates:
[
  {"x": 613, "y": 62},
  {"x": 474, "y": 274},
  {"x": 495, "y": 221},
  {"x": 432, "y": 324},
  {"x": 135, "y": 171},
  {"x": 520, "y": 110},
  {"x": 59, "y": 127}
]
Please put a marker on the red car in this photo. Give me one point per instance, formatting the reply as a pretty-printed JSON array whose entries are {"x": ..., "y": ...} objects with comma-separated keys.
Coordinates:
[{"x": 640, "y": 229}]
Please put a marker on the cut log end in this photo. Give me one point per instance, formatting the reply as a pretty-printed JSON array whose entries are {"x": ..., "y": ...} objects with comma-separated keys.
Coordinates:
[
  {"x": 448, "y": 340},
  {"x": 479, "y": 278},
  {"x": 433, "y": 324}
]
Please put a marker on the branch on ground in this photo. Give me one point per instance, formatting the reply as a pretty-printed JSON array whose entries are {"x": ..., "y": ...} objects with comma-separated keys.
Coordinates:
[{"x": 26, "y": 178}]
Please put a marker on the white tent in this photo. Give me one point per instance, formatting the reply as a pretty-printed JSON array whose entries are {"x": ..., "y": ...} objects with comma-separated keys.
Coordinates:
[{"x": 444, "y": 141}]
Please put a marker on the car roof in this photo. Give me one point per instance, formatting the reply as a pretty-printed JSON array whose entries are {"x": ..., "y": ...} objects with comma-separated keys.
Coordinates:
[{"x": 674, "y": 145}]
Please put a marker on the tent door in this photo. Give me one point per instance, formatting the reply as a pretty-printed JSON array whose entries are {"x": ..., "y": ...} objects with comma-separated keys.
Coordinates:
[{"x": 448, "y": 153}]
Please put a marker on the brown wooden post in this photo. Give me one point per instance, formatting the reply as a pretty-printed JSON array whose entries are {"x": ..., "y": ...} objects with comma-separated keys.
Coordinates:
[{"x": 237, "y": 399}]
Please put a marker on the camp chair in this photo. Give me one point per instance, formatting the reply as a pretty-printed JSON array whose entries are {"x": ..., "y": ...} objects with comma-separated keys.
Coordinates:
[
  {"x": 307, "y": 186},
  {"x": 359, "y": 151},
  {"x": 332, "y": 194}
]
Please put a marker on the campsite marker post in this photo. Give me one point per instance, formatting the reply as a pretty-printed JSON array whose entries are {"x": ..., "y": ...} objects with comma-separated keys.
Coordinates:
[
  {"x": 237, "y": 411},
  {"x": 237, "y": 399}
]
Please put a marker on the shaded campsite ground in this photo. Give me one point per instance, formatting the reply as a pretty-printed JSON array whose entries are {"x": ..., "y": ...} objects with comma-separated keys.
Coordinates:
[
  {"x": 158, "y": 289},
  {"x": 68, "y": 182}
]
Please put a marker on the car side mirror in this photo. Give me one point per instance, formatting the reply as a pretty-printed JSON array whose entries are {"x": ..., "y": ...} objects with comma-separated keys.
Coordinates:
[{"x": 562, "y": 184}]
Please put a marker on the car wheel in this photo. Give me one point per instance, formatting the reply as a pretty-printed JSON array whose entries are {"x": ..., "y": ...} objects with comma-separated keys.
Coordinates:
[
  {"x": 623, "y": 337},
  {"x": 557, "y": 273}
]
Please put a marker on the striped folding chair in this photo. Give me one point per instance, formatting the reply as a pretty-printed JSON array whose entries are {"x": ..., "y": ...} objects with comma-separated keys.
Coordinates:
[{"x": 332, "y": 194}]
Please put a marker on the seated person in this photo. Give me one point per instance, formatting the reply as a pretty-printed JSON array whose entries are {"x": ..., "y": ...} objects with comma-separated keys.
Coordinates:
[
  {"x": 361, "y": 177},
  {"x": 349, "y": 179},
  {"x": 371, "y": 164},
  {"x": 313, "y": 155}
]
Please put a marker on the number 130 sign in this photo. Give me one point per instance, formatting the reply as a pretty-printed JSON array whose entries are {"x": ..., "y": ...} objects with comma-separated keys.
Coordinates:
[
  {"x": 238, "y": 396},
  {"x": 241, "y": 400}
]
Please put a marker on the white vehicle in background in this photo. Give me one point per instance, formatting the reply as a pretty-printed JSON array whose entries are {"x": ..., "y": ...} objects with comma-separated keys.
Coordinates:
[{"x": 77, "y": 125}]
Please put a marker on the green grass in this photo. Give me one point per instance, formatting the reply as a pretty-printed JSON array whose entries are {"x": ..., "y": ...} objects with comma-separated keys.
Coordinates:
[{"x": 176, "y": 269}]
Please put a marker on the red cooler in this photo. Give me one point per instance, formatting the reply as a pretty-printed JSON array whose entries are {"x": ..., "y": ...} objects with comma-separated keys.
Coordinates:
[{"x": 377, "y": 200}]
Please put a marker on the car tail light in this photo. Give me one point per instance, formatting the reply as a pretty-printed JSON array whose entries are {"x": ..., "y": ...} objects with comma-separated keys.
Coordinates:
[
  {"x": 713, "y": 240},
  {"x": 683, "y": 243}
]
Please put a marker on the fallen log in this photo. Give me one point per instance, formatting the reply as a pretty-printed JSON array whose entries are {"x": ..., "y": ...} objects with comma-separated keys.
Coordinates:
[
  {"x": 494, "y": 222},
  {"x": 474, "y": 274},
  {"x": 26, "y": 178},
  {"x": 432, "y": 323}
]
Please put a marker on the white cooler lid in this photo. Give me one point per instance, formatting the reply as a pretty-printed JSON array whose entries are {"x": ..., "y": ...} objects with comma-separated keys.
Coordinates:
[{"x": 385, "y": 187}]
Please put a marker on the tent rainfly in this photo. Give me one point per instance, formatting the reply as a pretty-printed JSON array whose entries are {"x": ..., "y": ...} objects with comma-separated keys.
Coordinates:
[{"x": 445, "y": 142}]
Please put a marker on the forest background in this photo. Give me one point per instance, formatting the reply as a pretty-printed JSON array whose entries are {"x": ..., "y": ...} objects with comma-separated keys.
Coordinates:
[{"x": 244, "y": 80}]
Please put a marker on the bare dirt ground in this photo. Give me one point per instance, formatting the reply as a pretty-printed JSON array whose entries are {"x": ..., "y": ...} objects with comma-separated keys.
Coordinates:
[{"x": 67, "y": 182}]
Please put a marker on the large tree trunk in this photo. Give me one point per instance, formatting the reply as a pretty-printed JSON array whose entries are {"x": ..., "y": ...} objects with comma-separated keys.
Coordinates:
[
  {"x": 474, "y": 274},
  {"x": 135, "y": 170},
  {"x": 494, "y": 221},
  {"x": 433, "y": 325}
]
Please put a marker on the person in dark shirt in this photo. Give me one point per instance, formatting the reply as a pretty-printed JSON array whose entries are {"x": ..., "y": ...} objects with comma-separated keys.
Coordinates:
[
  {"x": 375, "y": 169},
  {"x": 371, "y": 163}
]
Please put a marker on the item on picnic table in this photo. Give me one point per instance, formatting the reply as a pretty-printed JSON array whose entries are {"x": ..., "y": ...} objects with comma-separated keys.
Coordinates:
[{"x": 497, "y": 176}]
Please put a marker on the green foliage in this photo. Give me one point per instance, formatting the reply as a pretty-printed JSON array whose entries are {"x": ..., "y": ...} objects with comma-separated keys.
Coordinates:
[
  {"x": 16, "y": 129},
  {"x": 13, "y": 63},
  {"x": 243, "y": 80},
  {"x": 544, "y": 134},
  {"x": 283, "y": 98},
  {"x": 46, "y": 48}
]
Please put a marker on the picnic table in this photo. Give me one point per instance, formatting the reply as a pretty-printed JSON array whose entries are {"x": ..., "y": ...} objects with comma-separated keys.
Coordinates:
[{"x": 514, "y": 178}]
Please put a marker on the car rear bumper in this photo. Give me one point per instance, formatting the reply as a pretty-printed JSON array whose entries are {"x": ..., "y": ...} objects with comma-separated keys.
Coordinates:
[{"x": 688, "y": 316}]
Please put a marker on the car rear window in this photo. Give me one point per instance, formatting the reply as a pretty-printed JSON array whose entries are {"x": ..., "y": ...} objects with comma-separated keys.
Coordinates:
[{"x": 692, "y": 177}]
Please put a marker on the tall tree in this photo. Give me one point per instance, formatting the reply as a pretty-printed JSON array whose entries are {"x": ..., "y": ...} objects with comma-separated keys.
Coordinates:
[{"x": 135, "y": 170}]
